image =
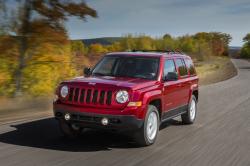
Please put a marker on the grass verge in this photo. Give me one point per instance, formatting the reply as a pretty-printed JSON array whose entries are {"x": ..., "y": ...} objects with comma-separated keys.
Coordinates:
[{"x": 215, "y": 69}]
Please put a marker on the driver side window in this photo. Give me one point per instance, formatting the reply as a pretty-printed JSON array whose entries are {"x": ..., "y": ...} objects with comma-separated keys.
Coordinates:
[{"x": 169, "y": 66}]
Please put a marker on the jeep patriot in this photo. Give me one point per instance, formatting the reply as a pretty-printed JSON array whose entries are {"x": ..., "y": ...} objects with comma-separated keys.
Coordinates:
[{"x": 132, "y": 92}]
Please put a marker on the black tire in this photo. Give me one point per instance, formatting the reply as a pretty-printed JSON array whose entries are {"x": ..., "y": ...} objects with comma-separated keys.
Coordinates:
[
  {"x": 68, "y": 131},
  {"x": 141, "y": 137},
  {"x": 186, "y": 118}
]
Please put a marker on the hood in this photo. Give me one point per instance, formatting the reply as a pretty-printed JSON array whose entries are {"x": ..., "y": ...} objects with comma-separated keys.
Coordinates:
[{"x": 125, "y": 82}]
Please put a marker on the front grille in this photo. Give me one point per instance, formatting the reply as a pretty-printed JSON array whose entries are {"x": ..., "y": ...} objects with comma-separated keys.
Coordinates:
[{"x": 90, "y": 96}]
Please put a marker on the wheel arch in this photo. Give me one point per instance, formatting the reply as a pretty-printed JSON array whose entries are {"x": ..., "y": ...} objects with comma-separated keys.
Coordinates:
[
  {"x": 153, "y": 98},
  {"x": 194, "y": 91},
  {"x": 196, "y": 94},
  {"x": 158, "y": 104}
]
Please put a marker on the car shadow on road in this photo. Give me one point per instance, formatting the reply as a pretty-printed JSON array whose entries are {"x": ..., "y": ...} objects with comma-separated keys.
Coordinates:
[
  {"x": 171, "y": 122},
  {"x": 45, "y": 134},
  {"x": 245, "y": 67}
]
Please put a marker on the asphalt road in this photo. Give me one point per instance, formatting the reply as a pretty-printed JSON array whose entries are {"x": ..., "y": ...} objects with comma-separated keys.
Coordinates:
[{"x": 220, "y": 136}]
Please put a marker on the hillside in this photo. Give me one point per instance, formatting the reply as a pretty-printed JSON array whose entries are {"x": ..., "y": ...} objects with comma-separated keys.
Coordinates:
[{"x": 102, "y": 40}]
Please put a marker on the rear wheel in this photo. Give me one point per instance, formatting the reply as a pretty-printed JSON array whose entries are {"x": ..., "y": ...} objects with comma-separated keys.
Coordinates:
[
  {"x": 190, "y": 115},
  {"x": 70, "y": 131},
  {"x": 147, "y": 134}
]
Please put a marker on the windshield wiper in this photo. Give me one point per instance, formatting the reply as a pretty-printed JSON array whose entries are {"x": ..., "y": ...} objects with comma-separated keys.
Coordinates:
[{"x": 101, "y": 74}]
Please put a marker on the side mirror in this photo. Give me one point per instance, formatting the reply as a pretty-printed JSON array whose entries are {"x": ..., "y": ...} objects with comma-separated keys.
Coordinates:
[
  {"x": 171, "y": 76},
  {"x": 87, "y": 71}
]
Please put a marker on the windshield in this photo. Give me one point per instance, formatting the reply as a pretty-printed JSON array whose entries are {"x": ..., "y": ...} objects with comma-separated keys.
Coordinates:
[{"x": 138, "y": 67}]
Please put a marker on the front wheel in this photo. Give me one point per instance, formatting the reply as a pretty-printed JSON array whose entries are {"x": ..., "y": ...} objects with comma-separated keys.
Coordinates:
[
  {"x": 190, "y": 115},
  {"x": 147, "y": 134}
]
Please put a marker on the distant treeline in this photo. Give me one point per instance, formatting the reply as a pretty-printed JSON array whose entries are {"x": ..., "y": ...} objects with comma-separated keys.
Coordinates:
[
  {"x": 52, "y": 57},
  {"x": 199, "y": 45}
]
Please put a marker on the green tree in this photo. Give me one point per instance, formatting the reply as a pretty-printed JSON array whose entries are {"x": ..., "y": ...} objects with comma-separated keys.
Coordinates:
[
  {"x": 167, "y": 36},
  {"x": 245, "y": 51},
  {"x": 170, "y": 44},
  {"x": 246, "y": 39},
  {"x": 186, "y": 44},
  {"x": 128, "y": 43},
  {"x": 37, "y": 22}
]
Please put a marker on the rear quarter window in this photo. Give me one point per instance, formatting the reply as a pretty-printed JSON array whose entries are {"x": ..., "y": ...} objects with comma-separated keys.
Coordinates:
[
  {"x": 190, "y": 66},
  {"x": 182, "y": 69}
]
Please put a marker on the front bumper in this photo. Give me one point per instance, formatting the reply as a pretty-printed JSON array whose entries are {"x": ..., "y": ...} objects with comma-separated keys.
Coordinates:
[{"x": 93, "y": 120}]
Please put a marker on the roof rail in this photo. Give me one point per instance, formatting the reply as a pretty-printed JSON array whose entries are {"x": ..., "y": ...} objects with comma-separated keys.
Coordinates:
[
  {"x": 134, "y": 50},
  {"x": 161, "y": 51}
]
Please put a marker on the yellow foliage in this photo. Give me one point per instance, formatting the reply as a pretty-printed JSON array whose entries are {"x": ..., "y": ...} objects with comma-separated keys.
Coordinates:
[
  {"x": 46, "y": 70},
  {"x": 97, "y": 49},
  {"x": 50, "y": 64}
]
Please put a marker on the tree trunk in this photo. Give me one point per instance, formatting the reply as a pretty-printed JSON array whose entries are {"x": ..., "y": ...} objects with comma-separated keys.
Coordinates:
[
  {"x": 23, "y": 33},
  {"x": 19, "y": 71}
]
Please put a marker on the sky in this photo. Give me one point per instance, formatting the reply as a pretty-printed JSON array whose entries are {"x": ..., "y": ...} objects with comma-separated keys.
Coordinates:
[{"x": 158, "y": 17}]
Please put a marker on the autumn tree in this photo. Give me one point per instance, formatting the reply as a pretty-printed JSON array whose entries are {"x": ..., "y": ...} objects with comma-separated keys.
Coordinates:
[
  {"x": 115, "y": 47},
  {"x": 216, "y": 40},
  {"x": 78, "y": 48},
  {"x": 97, "y": 49},
  {"x": 80, "y": 57},
  {"x": 36, "y": 24}
]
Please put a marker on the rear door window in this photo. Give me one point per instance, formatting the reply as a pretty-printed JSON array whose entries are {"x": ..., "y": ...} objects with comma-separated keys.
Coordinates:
[{"x": 182, "y": 69}]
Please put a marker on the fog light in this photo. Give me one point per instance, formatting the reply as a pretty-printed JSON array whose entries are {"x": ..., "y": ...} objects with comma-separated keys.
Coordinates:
[
  {"x": 67, "y": 116},
  {"x": 105, "y": 121}
]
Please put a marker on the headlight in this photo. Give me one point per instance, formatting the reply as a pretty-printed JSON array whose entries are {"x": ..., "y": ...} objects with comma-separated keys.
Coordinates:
[
  {"x": 64, "y": 91},
  {"x": 122, "y": 96}
]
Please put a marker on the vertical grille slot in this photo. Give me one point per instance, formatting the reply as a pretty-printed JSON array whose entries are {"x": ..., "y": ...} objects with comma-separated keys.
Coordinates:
[
  {"x": 102, "y": 95},
  {"x": 95, "y": 95},
  {"x": 76, "y": 95},
  {"x": 109, "y": 97},
  {"x": 82, "y": 95},
  {"x": 71, "y": 91},
  {"x": 88, "y": 97}
]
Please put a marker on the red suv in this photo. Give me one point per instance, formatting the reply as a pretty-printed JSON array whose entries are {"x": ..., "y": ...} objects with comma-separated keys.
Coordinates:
[{"x": 133, "y": 92}]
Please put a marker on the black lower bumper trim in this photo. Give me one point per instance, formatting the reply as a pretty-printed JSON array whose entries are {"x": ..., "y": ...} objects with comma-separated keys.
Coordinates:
[{"x": 88, "y": 120}]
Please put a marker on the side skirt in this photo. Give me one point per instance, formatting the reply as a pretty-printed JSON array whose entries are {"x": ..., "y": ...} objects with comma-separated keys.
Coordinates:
[{"x": 174, "y": 113}]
